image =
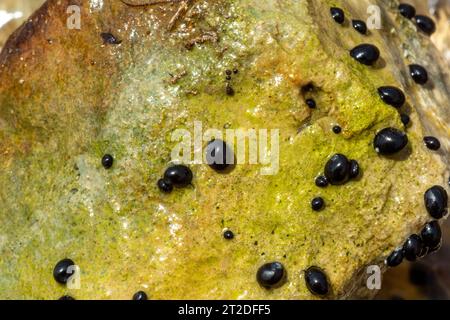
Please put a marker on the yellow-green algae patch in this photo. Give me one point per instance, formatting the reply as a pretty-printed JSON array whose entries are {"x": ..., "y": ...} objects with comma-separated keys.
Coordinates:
[{"x": 58, "y": 201}]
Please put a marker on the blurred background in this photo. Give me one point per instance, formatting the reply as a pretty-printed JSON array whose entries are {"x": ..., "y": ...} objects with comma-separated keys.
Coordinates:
[
  {"x": 426, "y": 279},
  {"x": 13, "y": 13}
]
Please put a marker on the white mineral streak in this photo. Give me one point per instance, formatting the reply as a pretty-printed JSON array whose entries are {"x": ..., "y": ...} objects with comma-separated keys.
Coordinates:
[
  {"x": 3, "y": 240},
  {"x": 243, "y": 295},
  {"x": 91, "y": 183},
  {"x": 6, "y": 16},
  {"x": 174, "y": 226}
]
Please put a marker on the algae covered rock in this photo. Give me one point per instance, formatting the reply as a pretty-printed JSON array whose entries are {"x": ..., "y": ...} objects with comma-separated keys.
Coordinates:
[{"x": 135, "y": 72}]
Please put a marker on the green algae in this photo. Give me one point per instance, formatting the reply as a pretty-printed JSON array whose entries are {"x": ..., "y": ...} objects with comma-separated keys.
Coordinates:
[{"x": 127, "y": 236}]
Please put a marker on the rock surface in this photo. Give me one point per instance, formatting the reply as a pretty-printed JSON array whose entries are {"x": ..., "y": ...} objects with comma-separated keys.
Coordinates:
[{"x": 67, "y": 98}]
